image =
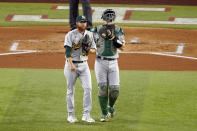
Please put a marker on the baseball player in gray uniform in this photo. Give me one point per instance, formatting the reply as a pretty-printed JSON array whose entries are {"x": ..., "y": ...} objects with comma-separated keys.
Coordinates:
[
  {"x": 78, "y": 43},
  {"x": 108, "y": 38}
]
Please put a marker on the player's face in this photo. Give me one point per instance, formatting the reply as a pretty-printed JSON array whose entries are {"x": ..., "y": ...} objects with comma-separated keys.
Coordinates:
[{"x": 81, "y": 25}]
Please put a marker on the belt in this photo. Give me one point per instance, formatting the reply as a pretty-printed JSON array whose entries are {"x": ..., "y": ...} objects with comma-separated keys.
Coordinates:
[
  {"x": 105, "y": 58},
  {"x": 78, "y": 61}
]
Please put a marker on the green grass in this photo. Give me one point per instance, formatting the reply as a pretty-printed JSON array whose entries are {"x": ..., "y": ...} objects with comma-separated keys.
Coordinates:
[
  {"x": 34, "y": 100},
  {"x": 29, "y": 9},
  {"x": 44, "y": 9},
  {"x": 177, "y": 11}
]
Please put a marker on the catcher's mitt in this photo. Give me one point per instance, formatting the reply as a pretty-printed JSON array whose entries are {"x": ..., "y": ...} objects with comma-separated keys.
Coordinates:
[
  {"x": 108, "y": 32},
  {"x": 86, "y": 45}
]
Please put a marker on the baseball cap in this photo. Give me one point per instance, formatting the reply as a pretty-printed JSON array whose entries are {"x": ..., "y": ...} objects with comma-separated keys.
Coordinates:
[{"x": 81, "y": 18}]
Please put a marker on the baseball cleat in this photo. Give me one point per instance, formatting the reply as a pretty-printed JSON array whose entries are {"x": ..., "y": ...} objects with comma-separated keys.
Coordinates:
[
  {"x": 104, "y": 118},
  {"x": 111, "y": 112},
  {"x": 87, "y": 118},
  {"x": 72, "y": 119}
]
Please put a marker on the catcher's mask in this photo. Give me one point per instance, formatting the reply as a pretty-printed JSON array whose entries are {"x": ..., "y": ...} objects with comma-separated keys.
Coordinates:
[{"x": 108, "y": 15}]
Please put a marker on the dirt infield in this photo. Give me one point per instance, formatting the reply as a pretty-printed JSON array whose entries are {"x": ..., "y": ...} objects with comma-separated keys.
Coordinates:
[
  {"x": 156, "y": 48},
  {"x": 126, "y": 62}
]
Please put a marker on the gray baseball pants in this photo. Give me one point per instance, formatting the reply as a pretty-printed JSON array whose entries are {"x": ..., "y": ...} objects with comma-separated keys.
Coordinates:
[
  {"x": 107, "y": 72},
  {"x": 83, "y": 73}
]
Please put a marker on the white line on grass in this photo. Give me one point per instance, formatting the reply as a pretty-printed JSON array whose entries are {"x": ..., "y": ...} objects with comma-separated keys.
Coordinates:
[{"x": 120, "y": 19}]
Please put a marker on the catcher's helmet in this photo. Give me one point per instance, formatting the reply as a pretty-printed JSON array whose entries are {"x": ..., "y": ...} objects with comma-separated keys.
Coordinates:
[{"x": 108, "y": 15}]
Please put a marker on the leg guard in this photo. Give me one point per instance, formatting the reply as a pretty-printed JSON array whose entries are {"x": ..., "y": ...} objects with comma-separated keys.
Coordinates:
[
  {"x": 103, "y": 97},
  {"x": 113, "y": 94}
]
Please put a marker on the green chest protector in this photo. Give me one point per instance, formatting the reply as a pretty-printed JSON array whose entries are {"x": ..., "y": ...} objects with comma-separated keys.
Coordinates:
[{"x": 107, "y": 48}]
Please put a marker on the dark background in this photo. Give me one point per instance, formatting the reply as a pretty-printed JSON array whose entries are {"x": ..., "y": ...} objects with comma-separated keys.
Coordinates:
[{"x": 136, "y": 2}]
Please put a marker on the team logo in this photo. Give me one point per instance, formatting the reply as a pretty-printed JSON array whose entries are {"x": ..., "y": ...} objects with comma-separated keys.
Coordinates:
[{"x": 76, "y": 46}]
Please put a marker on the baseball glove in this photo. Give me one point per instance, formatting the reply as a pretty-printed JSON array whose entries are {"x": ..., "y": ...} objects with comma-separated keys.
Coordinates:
[
  {"x": 86, "y": 45},
  {"x": 108, "y": 32}
]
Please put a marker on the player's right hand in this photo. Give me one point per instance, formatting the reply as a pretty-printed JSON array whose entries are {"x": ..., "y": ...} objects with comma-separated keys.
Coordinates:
[{"x": 73, "y": 68}]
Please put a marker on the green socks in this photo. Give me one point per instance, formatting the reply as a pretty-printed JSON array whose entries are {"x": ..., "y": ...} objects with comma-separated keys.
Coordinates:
[
  {"x": 103, "y": 104},
  {"x": 113, "y": 97},
  {"x": 103, "y": 101}
]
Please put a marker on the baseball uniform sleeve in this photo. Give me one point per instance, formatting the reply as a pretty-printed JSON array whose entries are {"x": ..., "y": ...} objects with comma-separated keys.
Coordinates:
[
  {"x": 95, "y": 34},
  {"x": 93, "y": 45},
  {"x": 68, "y": 41}
]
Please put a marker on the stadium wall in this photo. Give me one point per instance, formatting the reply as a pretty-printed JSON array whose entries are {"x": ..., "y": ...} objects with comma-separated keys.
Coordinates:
[{"x": 136, "y": 2}]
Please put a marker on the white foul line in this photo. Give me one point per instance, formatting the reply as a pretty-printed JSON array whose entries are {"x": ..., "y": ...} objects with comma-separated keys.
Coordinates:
[
  {"x": 163, "y": 54},
  {"x": 186, "y": 57},
  {"x": 15, "y": 53},
  {"x": 179, "y": 51}
]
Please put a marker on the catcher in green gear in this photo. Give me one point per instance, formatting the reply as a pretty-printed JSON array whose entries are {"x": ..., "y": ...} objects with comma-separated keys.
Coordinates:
[{"x": 108, "y": 38}]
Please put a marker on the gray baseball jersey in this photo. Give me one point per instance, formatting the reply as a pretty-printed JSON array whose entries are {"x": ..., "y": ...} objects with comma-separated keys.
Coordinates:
[{"x": 74, "y": 39}]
